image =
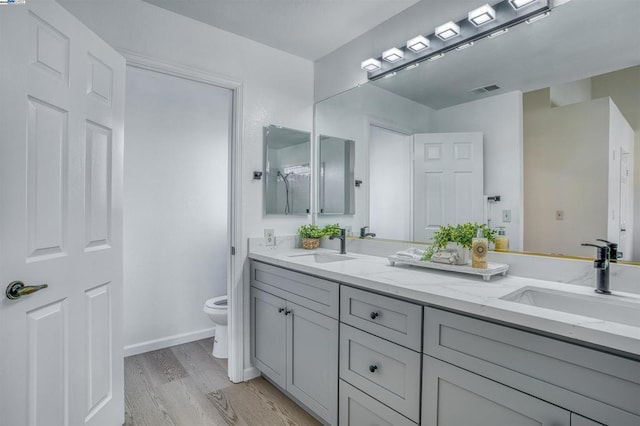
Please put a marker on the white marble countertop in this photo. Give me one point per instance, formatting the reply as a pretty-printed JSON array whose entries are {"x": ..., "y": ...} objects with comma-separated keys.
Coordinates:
[{"x": 465, "y": 293}]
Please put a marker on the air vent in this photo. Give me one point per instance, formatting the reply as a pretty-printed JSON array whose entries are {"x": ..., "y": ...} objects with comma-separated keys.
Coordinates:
[{"x": 484, "y": 89}]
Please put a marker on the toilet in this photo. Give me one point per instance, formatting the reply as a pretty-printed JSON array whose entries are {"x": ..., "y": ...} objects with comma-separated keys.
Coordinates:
[{"x": 216, "y": 308}]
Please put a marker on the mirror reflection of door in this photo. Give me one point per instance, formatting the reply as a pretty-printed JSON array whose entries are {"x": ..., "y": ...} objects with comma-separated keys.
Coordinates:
[
  {"x": 448, "y": 181},
  {"x": 336, "y": 176},
  {"x": 390, "y": 183}
]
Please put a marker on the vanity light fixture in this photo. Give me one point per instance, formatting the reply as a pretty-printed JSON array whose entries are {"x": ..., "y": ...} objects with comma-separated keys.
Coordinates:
[
  {"x": 448, "y": 31},
  {"x": 519, "y": 4},
  {"x": 412, "y": 66},
  {"x": 487, "y": 21},
  {"x": 482, "y": 15},
  {"x": 498, "y": 33},
  {"x": 537, "y": 18},
  {"x": 370, "y": 64},
  {"x": 391, "y": 74},
  {"x": 418, "y": 43},
  {"x": 464, "y": 46},
  {"x": 392, "y": 55}
]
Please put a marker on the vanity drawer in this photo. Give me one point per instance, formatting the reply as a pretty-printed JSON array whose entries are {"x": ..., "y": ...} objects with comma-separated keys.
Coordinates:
[
  {"x": 359, "y": 409},
  {"x": 388, "y": 372},
  {"x": 391, "y": 319},
  {"x": 313, "y": 293},
  {"x": 598, "y": 385}
]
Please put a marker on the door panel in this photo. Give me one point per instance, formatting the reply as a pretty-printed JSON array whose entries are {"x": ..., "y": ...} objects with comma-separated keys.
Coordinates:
[
  {"x": 312, "y": 375},
  {"x": 61, "y": 168},
  {"x": 269, "y": 335},
  {"x": 452, "y": 397},
  {"x": 448, "y": 181}
]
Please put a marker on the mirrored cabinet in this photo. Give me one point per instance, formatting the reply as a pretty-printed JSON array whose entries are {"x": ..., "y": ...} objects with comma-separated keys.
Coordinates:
[
  {"x": 336, "y": 176},
  {"x": 287, "y": 171}
]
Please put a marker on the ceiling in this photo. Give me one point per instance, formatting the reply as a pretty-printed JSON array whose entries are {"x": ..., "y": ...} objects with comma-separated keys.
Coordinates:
[
  {"x": 307, "y": 28},
  {"x": 579, "y": 39}
]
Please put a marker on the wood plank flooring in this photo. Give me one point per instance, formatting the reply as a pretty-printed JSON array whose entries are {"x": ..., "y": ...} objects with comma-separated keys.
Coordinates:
[{"x": 186, "y": 386}]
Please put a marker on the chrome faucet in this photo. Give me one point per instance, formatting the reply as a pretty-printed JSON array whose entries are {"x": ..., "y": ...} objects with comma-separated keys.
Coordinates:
[
  {"x": 343, "y": 240},
  {"x": 601, "y": 265},
  {"x": 365, "y": 234}
]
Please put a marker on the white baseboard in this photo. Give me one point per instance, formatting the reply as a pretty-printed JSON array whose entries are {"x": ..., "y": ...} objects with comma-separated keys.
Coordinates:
[
  {"x": 251, "y": 373},
  {"x": 165, "y": 342}
]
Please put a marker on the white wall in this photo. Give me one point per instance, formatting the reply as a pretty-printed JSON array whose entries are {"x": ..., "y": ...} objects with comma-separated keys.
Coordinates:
[
  {"x": 566, "y": 169},
  {"x": 499, "y": 118},
  {"x": 277, "y": 87},
  {"x": 175, "y": 204}
]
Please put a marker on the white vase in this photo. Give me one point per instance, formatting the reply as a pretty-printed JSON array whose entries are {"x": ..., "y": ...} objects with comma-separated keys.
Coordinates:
[{"x": 464, "y": 254}]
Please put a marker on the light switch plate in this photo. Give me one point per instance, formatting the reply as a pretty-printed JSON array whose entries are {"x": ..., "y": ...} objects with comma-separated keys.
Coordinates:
[
  {"x": 506, "y": 216},
  {"x": 269, "y": 237}
]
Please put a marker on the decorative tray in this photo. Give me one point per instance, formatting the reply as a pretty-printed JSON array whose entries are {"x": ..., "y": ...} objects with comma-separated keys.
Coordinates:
[{"x": 486, "y": 274}]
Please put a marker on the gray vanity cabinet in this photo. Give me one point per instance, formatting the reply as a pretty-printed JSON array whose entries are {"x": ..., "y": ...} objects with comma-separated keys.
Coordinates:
[
  {"x": 453, "y": 397},
  {"x": 588, "y": 383},
  {"x": 292, "y": 344}
]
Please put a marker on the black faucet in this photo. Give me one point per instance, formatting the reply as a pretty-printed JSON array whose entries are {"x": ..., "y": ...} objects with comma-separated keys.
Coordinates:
[
  {"x": 343, "y": 240},
  {"x": 365, "y": 234},
  {"x": 601, "y": 265},
  {"x": 614, "y": 254}
]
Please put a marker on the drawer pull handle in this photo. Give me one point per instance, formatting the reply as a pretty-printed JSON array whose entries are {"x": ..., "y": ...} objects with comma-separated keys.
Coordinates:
[
  {"x": 374, "y": 315},
  {"x": 280, "y": 310},
  {"x": 287, "y": 312},
  {"x": 373, "y": 368}
]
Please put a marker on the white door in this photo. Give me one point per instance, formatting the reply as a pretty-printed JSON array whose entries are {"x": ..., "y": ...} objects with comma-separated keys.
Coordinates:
[
  {"x": 448, "y": 182},
  {"x": 390, "y": 186},
  {"x": 626, "y": 206},
  {"x": 61, "y": 150}
]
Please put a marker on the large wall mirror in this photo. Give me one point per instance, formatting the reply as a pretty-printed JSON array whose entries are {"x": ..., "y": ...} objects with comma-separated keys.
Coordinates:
[
  {"x": 287, "y": 171},
  {"x": 559, "y": 121}
]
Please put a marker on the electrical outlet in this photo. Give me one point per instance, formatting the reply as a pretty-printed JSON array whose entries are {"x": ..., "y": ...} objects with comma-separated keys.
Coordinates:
[
  {"x": 269, "y": 237},
  {"x": 559, "y": 214},
  {"x": 347, "y": 230},
  {"x": 506, "y": 216}
]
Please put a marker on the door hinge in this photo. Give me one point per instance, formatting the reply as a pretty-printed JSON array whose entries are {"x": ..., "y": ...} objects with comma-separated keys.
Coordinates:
[{"x": 233, "y": 251}]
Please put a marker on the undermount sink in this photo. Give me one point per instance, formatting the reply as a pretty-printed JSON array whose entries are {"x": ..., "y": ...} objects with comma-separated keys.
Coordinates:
[
  {"x": 324, "y": 257},
  {"x": 613, "y": 308}
]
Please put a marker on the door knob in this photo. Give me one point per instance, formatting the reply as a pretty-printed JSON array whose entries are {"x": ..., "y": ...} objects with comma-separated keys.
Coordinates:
[{"x": 17, "y": 289}]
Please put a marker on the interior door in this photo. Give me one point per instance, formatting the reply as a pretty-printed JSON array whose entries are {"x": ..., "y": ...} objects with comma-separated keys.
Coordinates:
[
  {"x": 626, "y": 205},
  {"x": 448, "y": 181},
  {"x": 61, "y": 97}
]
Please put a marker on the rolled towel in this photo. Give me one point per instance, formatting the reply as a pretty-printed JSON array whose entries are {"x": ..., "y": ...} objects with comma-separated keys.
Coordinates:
[{"x": 411, "y": 253}]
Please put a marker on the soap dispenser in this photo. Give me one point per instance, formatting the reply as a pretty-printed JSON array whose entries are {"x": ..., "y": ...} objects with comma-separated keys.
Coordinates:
[
  {"x": 479, "y": 249},
  {"x": 502, "y": 241}
]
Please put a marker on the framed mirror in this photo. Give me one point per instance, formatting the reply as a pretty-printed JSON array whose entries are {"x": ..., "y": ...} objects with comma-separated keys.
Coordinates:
[
  {"x": 336, "y": 176},
  {"x": 541, "y": 180},
  {"x": 287, "y": 184}
]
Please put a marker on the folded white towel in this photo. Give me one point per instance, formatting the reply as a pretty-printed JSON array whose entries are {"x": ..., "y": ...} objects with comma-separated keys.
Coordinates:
[{"x": 411, "y": 253}]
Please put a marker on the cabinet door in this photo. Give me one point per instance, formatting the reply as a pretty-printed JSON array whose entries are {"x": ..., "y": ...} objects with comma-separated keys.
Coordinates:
[
  {"x": 269, "y": 335},
  {"x": 454, "y": 397},
  {"x": 312, "y": 355},
  {"x": 359, "y": 409}
]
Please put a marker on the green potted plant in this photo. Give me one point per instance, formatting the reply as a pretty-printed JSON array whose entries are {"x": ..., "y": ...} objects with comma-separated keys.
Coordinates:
[
  {"x": 310, "y": 236},
  {"x": 459, "y": 238}
]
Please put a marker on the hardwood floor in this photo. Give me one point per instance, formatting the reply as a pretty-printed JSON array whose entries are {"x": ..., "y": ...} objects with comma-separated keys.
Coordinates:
[{"x": 186, "y": 386}]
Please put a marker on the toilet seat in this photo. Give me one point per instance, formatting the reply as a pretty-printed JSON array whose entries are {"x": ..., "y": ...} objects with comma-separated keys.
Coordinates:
[{"x": 217, "y": 303}]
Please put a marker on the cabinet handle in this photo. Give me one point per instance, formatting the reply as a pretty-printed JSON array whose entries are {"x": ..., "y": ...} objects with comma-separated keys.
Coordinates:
[
  {"x": 374, "y": 315},
  {"x": 287, "y": 312},
  {"x": 280, "y": 310},
  {"x": 373, "y": 368}
]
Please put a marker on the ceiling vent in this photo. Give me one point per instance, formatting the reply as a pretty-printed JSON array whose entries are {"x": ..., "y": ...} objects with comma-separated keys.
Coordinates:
[{"x": 484, "y": 89}]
